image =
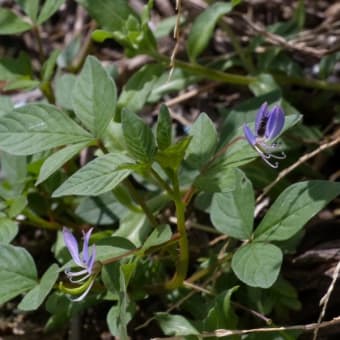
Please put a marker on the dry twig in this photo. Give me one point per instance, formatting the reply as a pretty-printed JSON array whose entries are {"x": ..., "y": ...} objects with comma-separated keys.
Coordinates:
[{"x": 220, "y": 333}]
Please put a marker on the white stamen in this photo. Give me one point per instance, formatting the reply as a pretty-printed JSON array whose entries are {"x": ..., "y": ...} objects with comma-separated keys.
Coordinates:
[{"x": 79, "y": 280}]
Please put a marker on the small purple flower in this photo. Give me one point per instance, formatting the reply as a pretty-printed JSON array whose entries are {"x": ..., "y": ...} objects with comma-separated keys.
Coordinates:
[
  {"x": 268, "y": 125},
  {"x": 84, "y": 261}
]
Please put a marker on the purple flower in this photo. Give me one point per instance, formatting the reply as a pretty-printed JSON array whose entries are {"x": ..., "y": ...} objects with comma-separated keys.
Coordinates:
[
  {"x": 268, "y": 125},
  {"x": 86, "y": 261}
]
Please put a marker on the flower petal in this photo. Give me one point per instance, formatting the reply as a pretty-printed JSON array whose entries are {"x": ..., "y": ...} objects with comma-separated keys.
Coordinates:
[
  {"x": 249, "y": 135},
  {"x": 72, "y": 246},
  {"x": 275, "y": 123},
  {"x": 91, "y": 260},
  {"x": 261, "y": 114},
  {"x": 86, "y": 245}
]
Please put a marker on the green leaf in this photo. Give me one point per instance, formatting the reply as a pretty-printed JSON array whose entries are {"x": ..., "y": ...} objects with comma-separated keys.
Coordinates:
[
  {"x": 11, "y": 23},
  {"x": 30, "y": 7},
  {"x": 203, "y": 28},
  {"x": 111, "y": 15},
  {"x": 263, "y": 83},
  {"x": 22, "y": 84},
  {"x": 120, "y": 315},
  {"x": 58, "y": 159},
  {"x": 38, "y": 127},
  {"x": 175, "y": 324},
  {"x": 138, "y": 136},
  {"x": 136, "y": 91},
  {"x": 100, "y": 210},
  {"x": 48, "y": 9},
  {"x": 164, "y": 128},
  {"x": 232, "y": 212},
  {"x": 135, "y": 227},
  {"x": 99, "y": 176},
  {"x": 35, "y": 297},
  {"x": 163, "y": 85},
  {"x": 294, "y": 208},
  {"x": 221, "y": 315},
  {"x": 16, "y": 68},
  {"x": 63, "y": 87},
  {"x": 49, "y": 66},
  {"x": 70, "y": 52},
  {"x": 8, "y": 230},
  {"x": 94, "y": 97},
  {"x": 160, "y": 235},
  {"x": 17, "y": 205},
  {"x": 257, "y": 264},
  {"x": 203, "y": 143},
  {"x": 166, "y": 26},
  {"x": 173, "y": 156},
  {"x": 216, "y": 179},
  {"x": 6, "y": 105},
  {"x": 17, "y": 272},
  {"x": 14, "y": 168}
]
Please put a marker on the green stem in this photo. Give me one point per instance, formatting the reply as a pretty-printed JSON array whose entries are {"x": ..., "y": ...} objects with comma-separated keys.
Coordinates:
[
  {"x": 47, "y": 90},
  {"x": 237, "y": 79},
  {"x": 34, "y": 219},
  {"x": 207, "y": 72},
  {"x": 183, "y": 260},
  {"x": 36, "y": 33},
  {"x": 163, "y": 184}
]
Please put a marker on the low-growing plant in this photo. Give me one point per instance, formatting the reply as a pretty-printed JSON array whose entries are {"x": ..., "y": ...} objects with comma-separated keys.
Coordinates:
[{"x": 118, "y": 198}]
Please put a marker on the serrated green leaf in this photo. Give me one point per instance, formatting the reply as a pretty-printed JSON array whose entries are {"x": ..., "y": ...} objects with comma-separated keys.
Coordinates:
[
  {"x": 232, "y": 212},
  {"x": 97, "y": 177},
  {"x": 203, "y": 28},
  {"x": 17, "y": 272},
  {"x": 257, "y": 264},
  {"x": 35, "y": 297},
  {"x": 94, "y": 97},
  {"x": 164, "y": 128},
  {"x": 294, "y": 208},
  {"x": 136, "y": 91},
  {"x": 173, "y": 156},
  {"x": 58, "y": 159},
  {"x": 8, "y": 230},
  {"x": 203, "y": 143},
  {"x": 48, "y": 9},
  {"x": 38, "y": 127},
  {"x": 138, "y": 136},
  {"x": 11, "y": 23}
]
